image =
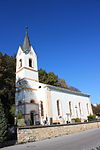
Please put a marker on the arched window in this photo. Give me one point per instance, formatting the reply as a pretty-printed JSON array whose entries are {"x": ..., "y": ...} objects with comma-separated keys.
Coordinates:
[
  {"x": 80, "y": 108},
  {"x": 20, "y": 102},
  {"x": 42, "y": 111},
  {"x": 32, "y": 101},
  {"x": 30, "y": 62},
  {"x": 20, "y": 63},
  {"x": 70, "y": 108},
  {"x": 58, "y": 107},
  {"x": 87, "y": 108}
]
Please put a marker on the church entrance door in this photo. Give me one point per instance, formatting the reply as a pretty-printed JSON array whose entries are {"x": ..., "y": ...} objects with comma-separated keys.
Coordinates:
[{"x": 33, "y": 117}]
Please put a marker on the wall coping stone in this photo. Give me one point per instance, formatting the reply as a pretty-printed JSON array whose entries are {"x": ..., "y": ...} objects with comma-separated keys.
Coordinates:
[{"x": 54, "y": 125}]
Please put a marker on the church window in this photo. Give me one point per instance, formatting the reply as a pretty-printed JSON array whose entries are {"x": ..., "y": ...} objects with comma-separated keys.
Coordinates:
[
  {"x": 32, "y": 101},
  {"x": 42, "y": 111},
  {"x": 30, "y": 62},
  {"x": 80, "y": 108},
  {"x": 20, "y": 63},
  {"x": 20, "y": 102},
  {"x": 87, "y": 108},
  {"x": 58, "y": 107},
  {"x": 70, "y": 108}
]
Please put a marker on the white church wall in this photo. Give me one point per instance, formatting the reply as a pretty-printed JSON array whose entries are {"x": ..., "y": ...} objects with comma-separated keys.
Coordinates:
[
  {"x": 65, "y": 98},
  {"x": 33, "y": 74},
  {"x": 42, "y": 96}
]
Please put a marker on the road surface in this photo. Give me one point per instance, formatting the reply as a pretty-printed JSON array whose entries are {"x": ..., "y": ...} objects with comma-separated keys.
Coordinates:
[{"x": 85, "y": 140}]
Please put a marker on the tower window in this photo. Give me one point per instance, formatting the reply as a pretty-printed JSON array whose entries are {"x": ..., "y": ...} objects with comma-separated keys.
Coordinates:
[
  {"x": 20, "y": 63},
  {"x": 32, "y": 101},
  {"x": 30, "y": 62}
]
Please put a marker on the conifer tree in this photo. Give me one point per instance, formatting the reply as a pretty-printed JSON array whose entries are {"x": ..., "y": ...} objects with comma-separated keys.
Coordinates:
[{"x": 3, "y": 124}]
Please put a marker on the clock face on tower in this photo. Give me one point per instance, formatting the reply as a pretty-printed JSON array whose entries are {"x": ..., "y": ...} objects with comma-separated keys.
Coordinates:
[
  {"x": 22, "y": 83},
  {"x": 27, "y": 51}
]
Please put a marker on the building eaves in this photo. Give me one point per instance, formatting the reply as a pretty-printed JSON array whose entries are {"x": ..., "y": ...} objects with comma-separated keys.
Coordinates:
[{"x": 66, "y": 90}]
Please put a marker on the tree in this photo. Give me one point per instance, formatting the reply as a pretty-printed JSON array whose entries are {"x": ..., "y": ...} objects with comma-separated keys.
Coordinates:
[
  {"x": 52, "y": 79},
  {"x": 96, "y": 109},
  {"x": 7, "y": 84},
  {"x": 42, "y": 75},
  {"x": 12, "y": 110},
  {"x": 62, "y": 83},
  {"x": 19, "y": 115},
  {"x": 3, "y": 124},
  {"x": 48, "y": 78}
]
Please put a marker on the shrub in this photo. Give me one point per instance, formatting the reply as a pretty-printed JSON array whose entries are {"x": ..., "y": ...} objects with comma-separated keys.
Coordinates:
[
  {"x": 91, "y": 117},
  {"x": 85, "y": 120},
  {"x": 3, "y": 124},
  {"x": 76, "y": 120},
  {"x": 19, "y": 115},
  {"x": 21, "y": 122}
]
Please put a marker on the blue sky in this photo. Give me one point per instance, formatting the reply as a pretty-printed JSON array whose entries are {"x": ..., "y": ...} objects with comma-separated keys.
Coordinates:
[{"x": 64, "y": 33}]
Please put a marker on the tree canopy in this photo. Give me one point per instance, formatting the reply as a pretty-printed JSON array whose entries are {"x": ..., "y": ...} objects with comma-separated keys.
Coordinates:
[
  {"x": 96, "y": 109},
  {"x": 3, "y": 124},
  {"x": 7, "y": 83},
  {"x": 52, "y": 79}
]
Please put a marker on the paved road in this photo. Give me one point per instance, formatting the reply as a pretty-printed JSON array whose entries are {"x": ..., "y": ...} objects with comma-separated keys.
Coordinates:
[{"x": 85, "y": 140}]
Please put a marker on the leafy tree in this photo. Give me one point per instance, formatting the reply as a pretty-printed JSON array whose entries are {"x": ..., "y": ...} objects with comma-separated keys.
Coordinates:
[
  {"x": 42, "y": 76},
  {"x": 7, "y": 84},
  {"x": 19, "y": 115},
  {"x": 52, "y": 79},
  {"x": 96, "y": 109},
  {"x": 3, "y": 124},
  {"x": 48, "y": 78},
  {"x": 62, "y": 83},
  {"x": 12, "y": 110}
]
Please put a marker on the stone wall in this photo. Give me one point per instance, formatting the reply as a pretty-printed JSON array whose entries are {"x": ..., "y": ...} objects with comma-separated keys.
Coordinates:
[{"x": 29, "y": 134}]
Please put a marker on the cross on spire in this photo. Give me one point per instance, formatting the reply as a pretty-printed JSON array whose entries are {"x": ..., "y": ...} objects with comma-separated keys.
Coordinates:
[
  {"x": 26, "y": 44},
  {"x": 26, "y": 28}
]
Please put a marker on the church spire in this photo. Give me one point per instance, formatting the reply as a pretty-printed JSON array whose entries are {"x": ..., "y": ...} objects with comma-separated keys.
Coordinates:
[{"x": 26, "y": 44}]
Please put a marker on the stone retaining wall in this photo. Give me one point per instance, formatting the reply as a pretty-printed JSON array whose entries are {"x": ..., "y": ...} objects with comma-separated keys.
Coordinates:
[{"x": 30, "y": 134}]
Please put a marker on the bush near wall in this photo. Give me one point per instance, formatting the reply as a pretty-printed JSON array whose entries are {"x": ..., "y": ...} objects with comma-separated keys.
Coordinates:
[
  {"x": 76, "y": 120},
  {"x": 3, "y": 124},
  {"x": 91, "y": 117}
]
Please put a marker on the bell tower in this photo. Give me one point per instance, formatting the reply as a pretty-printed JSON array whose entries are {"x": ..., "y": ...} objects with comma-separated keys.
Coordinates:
[
  {"x": 27, "y": 81},
  {"x": 26, "y": 61}
]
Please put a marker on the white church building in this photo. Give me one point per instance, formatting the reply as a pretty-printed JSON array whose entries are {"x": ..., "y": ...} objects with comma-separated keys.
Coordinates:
[{"x": 41, "y": 103}]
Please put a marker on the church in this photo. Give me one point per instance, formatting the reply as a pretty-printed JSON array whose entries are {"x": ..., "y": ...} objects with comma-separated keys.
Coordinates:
[{"x": 42, "y": 103}]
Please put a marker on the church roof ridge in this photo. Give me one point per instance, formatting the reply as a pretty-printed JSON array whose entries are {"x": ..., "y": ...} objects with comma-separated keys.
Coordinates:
[{"x": 67, "y": 90}]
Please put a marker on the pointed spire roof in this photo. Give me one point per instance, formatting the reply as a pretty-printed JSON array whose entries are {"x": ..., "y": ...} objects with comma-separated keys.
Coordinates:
[{"x": 26, "y": 44}]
